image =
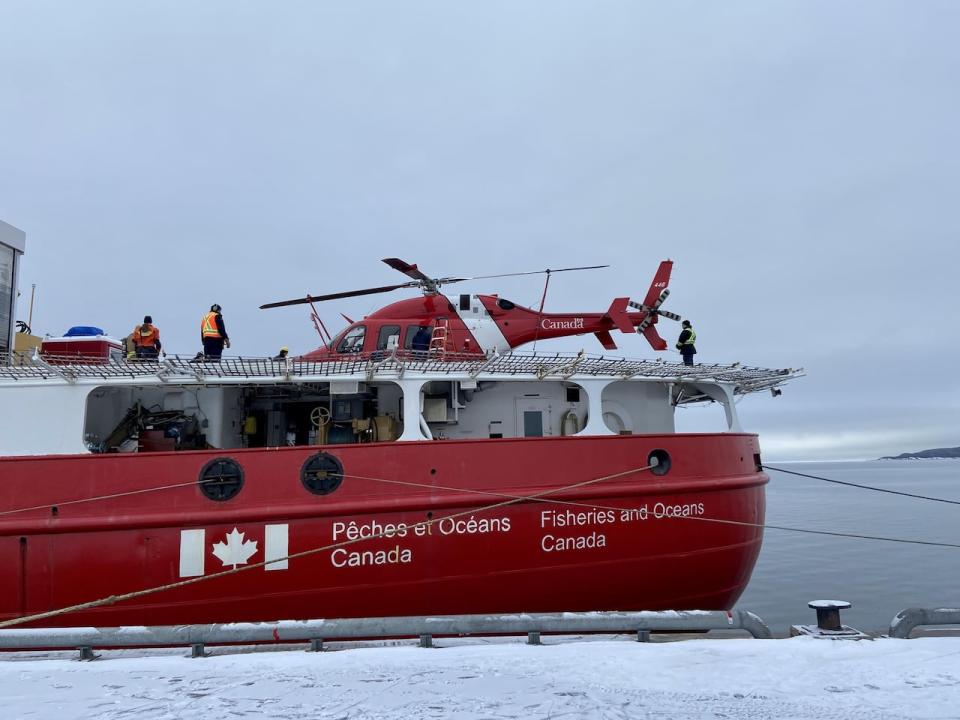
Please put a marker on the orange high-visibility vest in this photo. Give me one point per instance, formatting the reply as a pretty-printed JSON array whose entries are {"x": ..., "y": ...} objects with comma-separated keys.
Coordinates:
[
  {"x": 208, "y": 326},
  {"x": 145, "y": 335}
]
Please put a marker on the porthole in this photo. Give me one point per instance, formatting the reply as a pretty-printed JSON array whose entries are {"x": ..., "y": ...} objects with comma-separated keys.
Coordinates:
[
  {"x": 660, "y": 459},
  {"x": 505, "y": 304},
  {"x": 221, "y": 479},
  {"x": 321, "y": 474}
]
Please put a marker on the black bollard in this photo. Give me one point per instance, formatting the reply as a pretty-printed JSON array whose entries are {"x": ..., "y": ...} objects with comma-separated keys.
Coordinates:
[
  {"x": 828, "y": 613},
  {"x": 828, "y": 622}
]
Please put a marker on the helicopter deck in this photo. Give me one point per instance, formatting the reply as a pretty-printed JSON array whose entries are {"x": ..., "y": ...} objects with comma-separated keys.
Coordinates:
[{"x": 448, "y": 366}]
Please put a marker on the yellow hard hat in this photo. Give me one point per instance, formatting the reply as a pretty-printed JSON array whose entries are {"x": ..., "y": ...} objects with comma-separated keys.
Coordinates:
[{"x": 284, "y": 349}]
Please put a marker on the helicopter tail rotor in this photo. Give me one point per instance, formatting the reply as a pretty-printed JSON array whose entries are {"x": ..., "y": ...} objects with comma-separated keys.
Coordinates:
[{"x": 656, "y": 296}]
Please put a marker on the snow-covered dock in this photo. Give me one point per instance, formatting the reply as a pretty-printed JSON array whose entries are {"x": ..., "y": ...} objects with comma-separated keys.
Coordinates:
[{"x": 501, "y": 678}]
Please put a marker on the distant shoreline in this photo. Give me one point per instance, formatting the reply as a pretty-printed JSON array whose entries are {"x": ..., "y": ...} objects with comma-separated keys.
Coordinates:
[
  {"x": 934, "y": 454},
  {"x": 773, "y": 463}
]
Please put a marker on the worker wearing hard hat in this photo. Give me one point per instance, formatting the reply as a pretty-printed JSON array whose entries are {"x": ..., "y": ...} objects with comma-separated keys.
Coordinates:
[
  {"x": 213, "y": 334},
  {"x": 685, "y": 343},
  {"x": 146, "y": 340},
  {"x": 282, "y": 355}
]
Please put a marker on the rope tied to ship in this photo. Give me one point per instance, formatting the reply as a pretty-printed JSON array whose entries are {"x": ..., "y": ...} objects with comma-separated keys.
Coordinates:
[
  {"x": 96, "y": 498},
  {"x": 864, "y": 487},
  {"x": 433, "y": 486},
  {"x": 113, "y": 599},
  {"x": 511, "y": 499}
]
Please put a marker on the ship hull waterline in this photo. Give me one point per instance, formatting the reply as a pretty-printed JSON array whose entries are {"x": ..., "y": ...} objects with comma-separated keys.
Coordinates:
[{"x": 410, "y": 530}]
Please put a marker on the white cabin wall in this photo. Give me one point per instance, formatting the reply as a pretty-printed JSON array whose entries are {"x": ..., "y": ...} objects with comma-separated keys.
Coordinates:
[
  {"x": 219, "y": 407},
  {"x": 45, "y": 419},
  {"x": 222, "y": 408},
  {"x": 234, "y": 417},
  {"x": 42, "y": 419},
  {"x": 105, "y": 408},
  {"x": 494, "y": 409},
  {"x": 389, "y": 400},
  {"x": 646, "y": 406}
]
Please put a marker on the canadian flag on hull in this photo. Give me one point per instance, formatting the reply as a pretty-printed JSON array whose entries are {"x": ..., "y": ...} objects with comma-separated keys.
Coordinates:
[{"x": 237, "y": 547}]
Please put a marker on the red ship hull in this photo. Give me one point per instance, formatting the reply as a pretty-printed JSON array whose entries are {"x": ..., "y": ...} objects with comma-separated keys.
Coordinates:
[{"x": 635, "y": 542}]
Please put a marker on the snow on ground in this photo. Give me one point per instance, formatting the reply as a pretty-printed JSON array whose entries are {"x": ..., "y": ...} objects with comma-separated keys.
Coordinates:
[{"x": 608, "y": 678}]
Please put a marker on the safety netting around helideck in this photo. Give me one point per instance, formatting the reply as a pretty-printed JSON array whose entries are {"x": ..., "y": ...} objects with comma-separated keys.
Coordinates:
[{"x": 392, "y": 365}]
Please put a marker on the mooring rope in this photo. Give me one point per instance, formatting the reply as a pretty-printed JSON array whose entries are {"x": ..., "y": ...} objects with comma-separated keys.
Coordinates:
[
  {"x": 511, "y": 499},
  {"x": 593, "y": 506},
  {"x": 855, "y": 536},
  {"x": 434, "y": 486},
  {"x": 96, "y": 498},
  {"x": 863, "y": 487},
  {"x": 113, "y": 599}
]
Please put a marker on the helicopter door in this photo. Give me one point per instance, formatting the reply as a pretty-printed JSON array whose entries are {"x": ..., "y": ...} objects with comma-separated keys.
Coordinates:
[{"x": 533, "y": 417}]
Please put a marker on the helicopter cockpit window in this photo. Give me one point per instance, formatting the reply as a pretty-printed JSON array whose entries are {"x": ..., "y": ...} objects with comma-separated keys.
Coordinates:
[
  {"x": 505, "y": 304},
  {"x": 353, "y": 341},
  {"x": 387, "y": 332},
  {"x": 418, "y": 337}
]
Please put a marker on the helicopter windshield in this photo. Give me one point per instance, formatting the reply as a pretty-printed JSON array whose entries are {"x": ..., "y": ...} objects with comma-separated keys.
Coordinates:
[
  {"x": 336, "y": 338},
  {"x": 352, "y": 341}
]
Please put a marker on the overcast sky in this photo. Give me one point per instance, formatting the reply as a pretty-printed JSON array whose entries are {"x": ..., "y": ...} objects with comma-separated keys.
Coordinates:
[{"x": 799, "y": 161}]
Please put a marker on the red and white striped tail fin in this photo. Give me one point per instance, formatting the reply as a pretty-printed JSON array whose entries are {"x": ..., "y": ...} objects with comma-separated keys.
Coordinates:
[{"x": 657, "y": 294}]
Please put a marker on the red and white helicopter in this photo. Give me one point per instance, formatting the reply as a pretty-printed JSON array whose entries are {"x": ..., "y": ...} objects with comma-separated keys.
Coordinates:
[{"x": 478, "y": 324}]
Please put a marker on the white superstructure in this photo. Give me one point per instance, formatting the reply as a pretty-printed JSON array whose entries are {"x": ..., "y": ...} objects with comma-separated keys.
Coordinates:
[{"x": 62, "y": 407}]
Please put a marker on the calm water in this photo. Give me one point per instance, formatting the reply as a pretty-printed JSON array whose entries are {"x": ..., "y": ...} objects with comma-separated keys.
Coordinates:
[{"x": 878, "y": 578}]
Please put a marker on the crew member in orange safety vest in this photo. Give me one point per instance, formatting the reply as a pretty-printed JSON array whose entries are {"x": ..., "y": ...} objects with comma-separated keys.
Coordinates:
[
  {"x": 146, "y": 340},
  {"x": 213, "y": 334}
]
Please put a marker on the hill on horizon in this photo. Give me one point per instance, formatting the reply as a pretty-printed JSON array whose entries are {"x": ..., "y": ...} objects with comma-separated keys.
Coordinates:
[{"x": 934, "y": 453}]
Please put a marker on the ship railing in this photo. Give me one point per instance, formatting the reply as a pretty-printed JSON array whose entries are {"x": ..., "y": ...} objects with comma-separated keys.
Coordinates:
[{"x": 394, "y": 364}]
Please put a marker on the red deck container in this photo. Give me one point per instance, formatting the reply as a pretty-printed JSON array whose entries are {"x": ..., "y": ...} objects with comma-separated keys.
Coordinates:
[{"x": 93, "y": 348}]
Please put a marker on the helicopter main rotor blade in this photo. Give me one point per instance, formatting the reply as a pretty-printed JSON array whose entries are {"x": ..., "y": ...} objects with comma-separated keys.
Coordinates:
[
  {"x": 337, "y": 296},
  {"x": 529, "y": 272},
  {"x": 428, "y": 284},
  {"x": 407, "y": 269}
]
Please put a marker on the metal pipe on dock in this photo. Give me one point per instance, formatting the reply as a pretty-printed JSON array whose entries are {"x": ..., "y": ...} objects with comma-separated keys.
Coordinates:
[
  {"x": 383, "y": 627},
  {"x": 906, "y": 620}
]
